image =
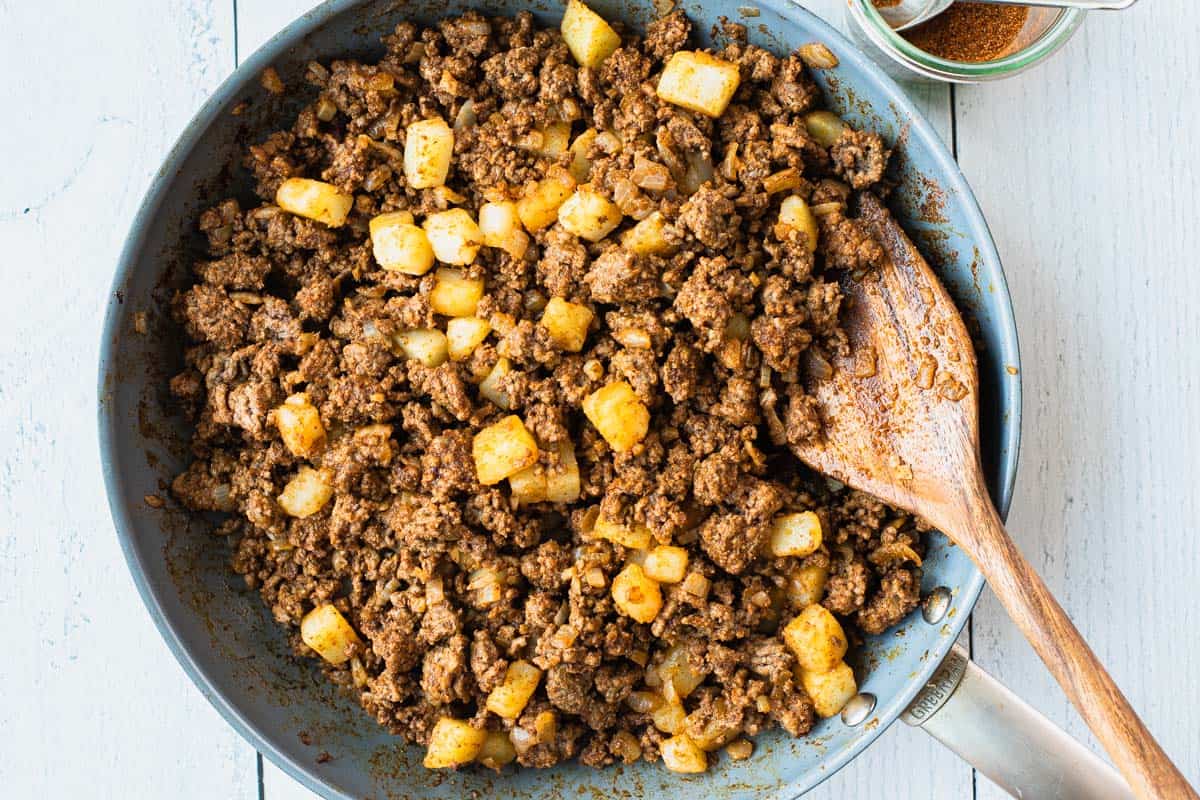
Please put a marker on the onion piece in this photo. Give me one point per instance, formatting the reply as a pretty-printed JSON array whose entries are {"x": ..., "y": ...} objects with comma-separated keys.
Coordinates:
[{"x": 465, "y": 118}]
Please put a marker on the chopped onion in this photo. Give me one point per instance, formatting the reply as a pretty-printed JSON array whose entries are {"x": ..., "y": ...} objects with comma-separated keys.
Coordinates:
[
  {"x": 817, "y": 56},
  {"x": 434, "y": 593},
  {"x": 465, "y": 118},
  {"x": 522, "y": 739}
]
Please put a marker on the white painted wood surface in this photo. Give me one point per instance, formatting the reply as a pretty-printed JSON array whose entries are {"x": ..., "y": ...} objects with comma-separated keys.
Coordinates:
[{"x": 1085, "y": 168}]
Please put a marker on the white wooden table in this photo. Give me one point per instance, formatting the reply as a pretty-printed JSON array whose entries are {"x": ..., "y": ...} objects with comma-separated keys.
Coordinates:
[{"x": 1086, "y": 168}]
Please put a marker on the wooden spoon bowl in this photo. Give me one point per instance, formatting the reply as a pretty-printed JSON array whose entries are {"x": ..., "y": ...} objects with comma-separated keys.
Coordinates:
[{"x": 900, "y": 415}]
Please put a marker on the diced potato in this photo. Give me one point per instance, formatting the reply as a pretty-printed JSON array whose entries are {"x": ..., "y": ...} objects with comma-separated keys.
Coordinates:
[
  {"x": 325, "y": 630},
  {"x": 503, "y": 449},
  {"x": 550, "y": 141},
  {"x": 677, "y": 669},
  {"x": 306, "y": 493},
  {"x": 681, "y": 754},
  {"x": 490, "y": 386},
  {"x": 528, "y": 486},
  {"x": 299, "y": 425},
  {"x": 399, "y": 245},
  {"x": 824, "y": 127},
  {"x": 500, "y": 226},
  {"x": 464, "y": 334},
  {"x": 508, "y": 699},
  {"x": 816, "y": 638},
  {"x": 831, "y": 689},
  {"x": 427, "y": 345},
  {"x": 538, "y": 206},
  {"x": 806, "y": 585},
  {"x": 589, "y": 38},
  {"x": 581, "y": 165},
  {"x": 428, "y": 148},
  {"x": 622, "y": 419},
  {"x": 454, "y": 236},
  {"x": 539, "y": 484},
  {"x": 648, "y": 237},
  {"x": 794, "y": 214},
  {"x": 635, "y": 537},
  {"x": 669, "y": 717},
  {"x": 589, "y": 214},
  {"x": 497, "y": 750},
  {"x": 666, "y": 564},
  {"x": 314, "y": 200},
  {"x": 635, "y": 595},
  {"x": 795, "y": 534},
  {"x": 567, "y": 323},
  {"x": 699, "y": 82},
  {"x": 453, "y": 742},
  {"x": 454, "y": 294},
  {"x": 563, "y": 485}
]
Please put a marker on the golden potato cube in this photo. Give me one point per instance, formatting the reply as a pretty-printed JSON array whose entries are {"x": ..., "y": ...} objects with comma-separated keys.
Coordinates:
[
  {"x": 306, "y": 493},
  {"x": 454, "y": 236},
  {"x": 567, "y": 323},
  {"x": 528, "y": 486},
  {"x": 581, "y": 165},
  {"x": 806, "y": 585},
  {"x": 489, "y": 388},
  {"x": 538, "y": 206},
  {"x": 539, "y": 484},
  {"x": 794, "y": 214},
  {"x": 453, "y": 742},
  {"x": 699, "y": 82},
  {"x": 550, "y": 141},
  {"x": 795, "y": 534},
  {"x": 464, "y": 334},
  {"x": 299, "y": 425},
  {"x": 830, "y": 689},
  {"x": 622, "y": 419},
  {"x": 314, "y": 200},
  {"x": 427, "y": 345},
  {"x": 454, "y": 294},
  {"x": 326, "y": 631},
  {"x": 589, "y": 38},
  {"x": 497, "y": 750},
  {"x": 824, "y": 127},
  {"x": 503, "y": 449},
  {"x": 563, "y": 485},
  {"x": 649, "y": 237},
  {"x": 589, "y": 214},
  {"x": 635, "y": 595},
  {"x": 816, "y": 638},
  {"x": 635, "y": 537},
  {"x": 508, "y": 699},
  {"x": 428, "y": 148},
  {"x": 666, "y": 564},
  {"x": 669, "y": 717},
  {"x": 399, "y": 245},
  {"x": 681, "y": 754},
  {"x": 500, "y": 226}
]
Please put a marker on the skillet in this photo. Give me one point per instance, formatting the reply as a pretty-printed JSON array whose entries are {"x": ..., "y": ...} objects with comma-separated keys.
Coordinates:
[{"x": 223, "y": 635}]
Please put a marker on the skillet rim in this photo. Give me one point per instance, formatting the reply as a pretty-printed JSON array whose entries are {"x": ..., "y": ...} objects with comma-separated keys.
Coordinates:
[{"x": 998, "y": 301}]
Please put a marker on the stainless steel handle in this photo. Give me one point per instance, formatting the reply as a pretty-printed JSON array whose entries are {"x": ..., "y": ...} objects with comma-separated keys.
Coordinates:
[{"x": 1003, "y": 737}]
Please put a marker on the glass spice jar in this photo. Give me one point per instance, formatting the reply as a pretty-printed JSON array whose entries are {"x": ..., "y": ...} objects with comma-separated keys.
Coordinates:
[{"x": 1044, "y": 32}]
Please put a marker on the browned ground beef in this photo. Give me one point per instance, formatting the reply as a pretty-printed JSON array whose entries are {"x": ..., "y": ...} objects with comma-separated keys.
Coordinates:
[{"x": 285, "y": 305}]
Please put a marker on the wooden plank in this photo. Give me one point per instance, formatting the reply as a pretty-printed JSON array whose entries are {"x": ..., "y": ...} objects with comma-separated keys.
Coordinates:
[
  {"x": 95, "y": 706},
  {"x": 1083, "y": 172}
]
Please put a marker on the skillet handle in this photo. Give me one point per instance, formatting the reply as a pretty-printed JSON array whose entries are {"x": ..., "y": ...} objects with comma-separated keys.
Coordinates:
[{"x": 1003, "y": 737}]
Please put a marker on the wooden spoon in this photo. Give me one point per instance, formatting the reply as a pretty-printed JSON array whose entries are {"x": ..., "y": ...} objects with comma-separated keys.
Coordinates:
[{"x": 900, "y": 420}]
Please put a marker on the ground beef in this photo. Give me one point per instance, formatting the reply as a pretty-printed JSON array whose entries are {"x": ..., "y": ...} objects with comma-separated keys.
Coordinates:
[{"x": 448, "y": 582}]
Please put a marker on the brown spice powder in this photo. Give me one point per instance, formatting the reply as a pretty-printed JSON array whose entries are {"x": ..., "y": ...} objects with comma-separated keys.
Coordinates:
[{"x": 971, "y": 32}]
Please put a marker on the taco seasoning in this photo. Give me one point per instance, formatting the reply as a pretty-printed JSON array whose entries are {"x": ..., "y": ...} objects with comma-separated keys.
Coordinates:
[{"x": 971, "y": 32}]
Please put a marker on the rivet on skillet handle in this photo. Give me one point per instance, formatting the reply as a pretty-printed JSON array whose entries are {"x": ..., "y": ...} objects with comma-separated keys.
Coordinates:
[{"x": 1003, "y": 737}]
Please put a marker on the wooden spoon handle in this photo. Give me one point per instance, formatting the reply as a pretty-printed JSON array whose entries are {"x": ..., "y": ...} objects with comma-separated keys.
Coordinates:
[{"x": 1149, "y": 770}]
